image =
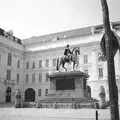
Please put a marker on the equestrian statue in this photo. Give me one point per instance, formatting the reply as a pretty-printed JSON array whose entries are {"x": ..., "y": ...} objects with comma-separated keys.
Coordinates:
[{"x": 69, "y": 57}]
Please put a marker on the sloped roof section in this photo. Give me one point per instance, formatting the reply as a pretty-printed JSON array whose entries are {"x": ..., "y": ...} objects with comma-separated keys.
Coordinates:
[
  {"x": 58, "y": 36},
  {"x": 79, "y": 32}
]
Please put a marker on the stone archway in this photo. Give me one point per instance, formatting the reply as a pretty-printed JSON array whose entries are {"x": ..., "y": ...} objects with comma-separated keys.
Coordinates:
[
  {"x": 29, "y": 95},
  {"x": 8, "y": 94}
]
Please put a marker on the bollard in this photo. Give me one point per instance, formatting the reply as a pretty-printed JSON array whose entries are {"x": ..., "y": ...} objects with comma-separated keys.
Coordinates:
[{"x": 96, "y": 115}]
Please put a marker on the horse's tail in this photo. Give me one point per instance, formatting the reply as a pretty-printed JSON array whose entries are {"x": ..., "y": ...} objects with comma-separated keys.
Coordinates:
[{"x": 57, "y": 67}]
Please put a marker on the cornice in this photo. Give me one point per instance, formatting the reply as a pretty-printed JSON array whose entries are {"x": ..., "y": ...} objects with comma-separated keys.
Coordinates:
[{"x": 6, "y": 48}]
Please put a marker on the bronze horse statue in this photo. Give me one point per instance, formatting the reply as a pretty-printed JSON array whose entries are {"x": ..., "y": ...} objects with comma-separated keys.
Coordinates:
[{"x": 73, "y": 57}]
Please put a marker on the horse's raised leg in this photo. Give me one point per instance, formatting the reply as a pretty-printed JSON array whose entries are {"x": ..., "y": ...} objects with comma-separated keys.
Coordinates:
[
  {"x": 73, "y": 66},
  {"x": 58, "y": 64},
  {"x": 77, "y": 65},
  {"x": 64, "y": 67}
]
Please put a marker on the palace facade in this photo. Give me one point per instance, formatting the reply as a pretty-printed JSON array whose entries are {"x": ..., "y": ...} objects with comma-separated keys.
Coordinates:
[{"x": 25, "y": 64}]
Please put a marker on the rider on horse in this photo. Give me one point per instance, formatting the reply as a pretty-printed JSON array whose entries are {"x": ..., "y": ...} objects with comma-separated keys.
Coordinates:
[
  {"x": 70, "y": 56},
  {"x": 67, "y": 52}
]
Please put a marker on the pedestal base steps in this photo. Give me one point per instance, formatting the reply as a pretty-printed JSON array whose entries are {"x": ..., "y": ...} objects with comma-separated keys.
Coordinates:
[
  {"x": 66, "y": 97},
  {"x": 75, "y": 103}
]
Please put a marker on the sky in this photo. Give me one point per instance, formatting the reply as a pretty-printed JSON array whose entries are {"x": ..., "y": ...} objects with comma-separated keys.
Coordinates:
[{"x": 27, "y": 18}]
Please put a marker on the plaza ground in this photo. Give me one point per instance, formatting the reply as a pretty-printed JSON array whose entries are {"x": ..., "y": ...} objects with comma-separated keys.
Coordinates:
[{"x": 11, "y": 113}]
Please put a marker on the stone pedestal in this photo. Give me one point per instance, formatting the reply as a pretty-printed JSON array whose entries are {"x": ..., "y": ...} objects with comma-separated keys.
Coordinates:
[
  {"x": 67, "y": 90},
  {"x": 69, "y": 84}
]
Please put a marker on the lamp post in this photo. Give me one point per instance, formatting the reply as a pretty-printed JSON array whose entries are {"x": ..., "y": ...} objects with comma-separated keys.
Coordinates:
[{"x": 113, "y": 90}]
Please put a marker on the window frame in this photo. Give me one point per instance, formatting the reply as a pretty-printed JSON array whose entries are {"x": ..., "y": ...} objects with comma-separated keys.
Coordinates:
[
  {"x": 18, "y": 64},
  {"x": 40, "y": 64},
  {"x": 18, "y": 78},
  {"x": 9, "y": 60},
  {"x": 40, "y": 77},
  {"x": 47, "y": 63},
  {"x": 40, "y": 92},
  {"x": 27, "y": 65},
  {"x": 26, "y": 78},
  {"x": 54, "y": 62},
  {"x": 33, "y": 77},
  {"x": 85, "y": 57},
  {"x": 100, "y": 72},
  {"x": 8, "y": 75}
]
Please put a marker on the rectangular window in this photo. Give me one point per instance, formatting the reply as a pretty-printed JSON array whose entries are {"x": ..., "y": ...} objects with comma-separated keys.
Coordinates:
[
  {"x": 33, "y": 66},
  {"x": 39, "y": 92},
  {"x": 40, "y": 63},
  {"x": 54, "y": 62},
  {"x": 8, "y": 77},
  {"x": 18, "y": 78},
  {"x": 18, "y": 64},
  {"x": 0, "y": 59},
  {"x": 9, "y": 59},
  {"x": 85, "y": 59},
  {"x": 40, "y": 77},
  {"x": 46, "y": 92},
  {"x": 27, "y": 78},
  {"x": 33, "y": 78},
  {"x": 100, "y": 72},
  {"x": 86, "y": 71},
  {"x": 27, "y": 65},
  {"x": 46, "y": 77},
  {"x": 47, "y": 63}
]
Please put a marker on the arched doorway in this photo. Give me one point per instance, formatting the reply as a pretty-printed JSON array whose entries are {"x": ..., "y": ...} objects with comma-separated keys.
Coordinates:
[
  {"x": 29, "y": 95},
  {"x": 8, "y": 94}
]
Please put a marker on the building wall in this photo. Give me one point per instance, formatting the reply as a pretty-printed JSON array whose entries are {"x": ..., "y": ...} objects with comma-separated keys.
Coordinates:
[
  {"x": 6, "y": 47},
  {"x": 33, "y": 52},
  {"x": 91, "y": 48}
]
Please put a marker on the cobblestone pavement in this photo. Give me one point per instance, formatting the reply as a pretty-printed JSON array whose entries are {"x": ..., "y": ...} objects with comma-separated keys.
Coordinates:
[{"x": 51, "y": 114}]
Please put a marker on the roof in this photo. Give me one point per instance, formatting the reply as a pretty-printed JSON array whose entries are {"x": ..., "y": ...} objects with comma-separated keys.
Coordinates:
[
  {"x": 58, "y": 36},
  {"x": 79, "y": 32}
]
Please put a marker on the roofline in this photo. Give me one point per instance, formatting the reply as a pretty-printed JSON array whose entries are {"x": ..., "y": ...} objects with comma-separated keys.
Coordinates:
[{"x": 78, "y": 32}]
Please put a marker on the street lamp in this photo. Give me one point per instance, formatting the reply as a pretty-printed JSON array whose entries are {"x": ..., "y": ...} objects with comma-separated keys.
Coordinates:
[{"x": 110, "y": 46}]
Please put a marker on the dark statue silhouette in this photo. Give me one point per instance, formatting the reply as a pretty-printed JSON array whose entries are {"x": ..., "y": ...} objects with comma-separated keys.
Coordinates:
[{"x": 71, "y": 57}]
